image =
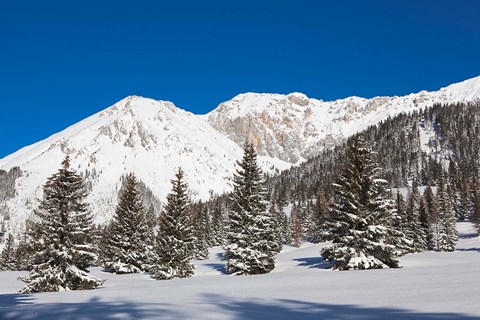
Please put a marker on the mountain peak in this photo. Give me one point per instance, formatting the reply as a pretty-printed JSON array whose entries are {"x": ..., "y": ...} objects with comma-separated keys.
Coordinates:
[{"x": 153, "y": 138}]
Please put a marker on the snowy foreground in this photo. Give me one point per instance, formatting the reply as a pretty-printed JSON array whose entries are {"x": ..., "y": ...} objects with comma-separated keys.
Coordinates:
[{"x": 430, "y": 285}]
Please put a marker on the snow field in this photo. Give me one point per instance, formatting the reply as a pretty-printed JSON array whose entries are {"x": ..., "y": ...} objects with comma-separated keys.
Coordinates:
[{"x": 431, "y": 285}]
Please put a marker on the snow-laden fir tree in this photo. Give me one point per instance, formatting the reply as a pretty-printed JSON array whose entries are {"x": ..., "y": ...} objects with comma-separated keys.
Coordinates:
[
  {"x": 7, "y": 258},
  {"x": 363, "y": 216},
  {"x": 296, "y": 227},
  {"x": 218, "y": 225},
  {"x": 278, "y": 227},
  {"x": 412, "y": 226},
  {"x": 283, "y": 227},
  {"x": 62, "y": 236},
  {"x": 175, "y": 245},
  {"x": 24, "y": 250},
  {"x": 475, "y": 204},
  {"x": 251, "y": 241},
  {"x": 321, "y": 220},
  {"x": 200, "y": 224},
  {"x": 445, "y": 227},
  {"x": 125, "y": 243},
  {"x": 424, "y": 222},
  {"x": 274, "y": 238}
]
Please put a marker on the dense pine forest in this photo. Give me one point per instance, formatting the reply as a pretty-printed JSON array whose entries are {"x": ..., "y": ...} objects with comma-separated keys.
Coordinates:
[{"x": 401, "y": 184}]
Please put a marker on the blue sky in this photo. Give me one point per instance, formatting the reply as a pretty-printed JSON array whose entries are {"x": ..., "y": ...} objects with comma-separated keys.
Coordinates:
[{"x": 61, "y": 61}]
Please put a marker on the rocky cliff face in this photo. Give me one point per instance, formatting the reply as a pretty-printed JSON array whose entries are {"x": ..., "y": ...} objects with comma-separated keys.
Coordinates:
[{"x": 294, "y": 127}]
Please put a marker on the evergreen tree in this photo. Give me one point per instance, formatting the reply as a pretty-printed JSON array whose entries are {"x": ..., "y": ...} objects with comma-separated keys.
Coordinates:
[
  {"x": 474, "y": 203},
  {"x": 62, "y": 235},
  {"x": 7, "y": 258},
  {"x": 364, "y": 236},
  {"x": 283, "y": 225},
  {"x": 321, "y": 220},
  {"x": 25, "y": 250},
  {"x": 305, "y": 211},
  {"x": 424, "y": 221},
  {"x": 200, "y": 224},
  {"x": 175, "y": 243},
  {"x": 446, "y": 233},
  {"x": 413, "y": 228},
  {"x": 278, "y": 231},
  {"x": 125, "y": 240},
  {"x": 297, "y": 228},
  {"x": 251, "y": 235},
  {"x": 428, "y": 200},
  {"x": 218, "y": 225}
]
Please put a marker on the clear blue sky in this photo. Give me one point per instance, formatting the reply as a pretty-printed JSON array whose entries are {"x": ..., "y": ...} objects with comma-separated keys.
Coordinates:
[{"x": 61, "y": 61}]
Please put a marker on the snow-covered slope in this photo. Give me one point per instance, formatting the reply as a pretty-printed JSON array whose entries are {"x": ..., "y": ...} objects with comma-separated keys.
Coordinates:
[
  {"x": 154, "y": 138},
  {"x": 294, "y": 127}
]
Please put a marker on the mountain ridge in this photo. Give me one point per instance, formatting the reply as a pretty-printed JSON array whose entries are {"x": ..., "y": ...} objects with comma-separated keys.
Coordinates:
[
  {"x": 153, "y": 138},
  {"x": 317, "y": 124}
]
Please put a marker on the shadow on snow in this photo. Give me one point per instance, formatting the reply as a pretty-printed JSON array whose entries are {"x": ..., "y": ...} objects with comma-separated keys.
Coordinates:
[
  {"x": 16, "y": 306},
  {"x": 23, "y": 306},
  {"x": 314, "y": 262},
  {"x": 300, "y": 310},
  {"x": 220, "y": 267}
]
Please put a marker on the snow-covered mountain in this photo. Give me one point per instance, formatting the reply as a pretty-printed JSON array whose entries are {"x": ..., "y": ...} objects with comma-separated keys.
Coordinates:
[
  {"x": 294, "y": 127},
  {"x": 154, "y": 138},
  {"x": 148, "y": 137}
]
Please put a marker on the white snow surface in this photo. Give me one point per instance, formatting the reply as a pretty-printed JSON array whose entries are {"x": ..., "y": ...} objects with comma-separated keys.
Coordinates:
[
  {"x": 154, "y": 138},
  {"x": 431, "y": 285}
]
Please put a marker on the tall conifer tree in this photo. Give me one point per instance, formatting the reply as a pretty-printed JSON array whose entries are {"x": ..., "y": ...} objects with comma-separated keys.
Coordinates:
[
  {"x": 446, "y": 233},
  {"x": 7, "y": 258},
  {"x": 251, "y": 244},
  {"x": 176, "y": 242},
  {"x": 364, "y": 237},
  {"x": 62, "y": 234},
  {"x": 125, "y": 240},
  {"x": 413, "y": 228}
]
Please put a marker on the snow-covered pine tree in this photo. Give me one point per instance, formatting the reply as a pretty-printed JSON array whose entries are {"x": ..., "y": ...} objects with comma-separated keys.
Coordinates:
[
  {"x": 62, "y": 236},
  {"x": 278, "y": 227},
  {"x": 24, "y": 251},
  {"x": 125, "y": 240},
  {"x": 7, "y": 258},
  {"x": 412, "y": 226},
  {"x": 296, "y": 227},
  {"x": 445, "y": 227},
  {"x": 363, "y": 233},
  {"x": 321, "y": 220},
  {"x": 474, "y": 203},
  {"x": 305, "y": 218},
  {"x": 283, "y": 226},
  {"x": 275, "y": 237},
  {"x": 424, "y": 222},
  {"x": 175, "y": 242},
  {"x": 218, "y": 225},
  {"x": 251, "y": 245},
  {"x": 200, "y": 224}
]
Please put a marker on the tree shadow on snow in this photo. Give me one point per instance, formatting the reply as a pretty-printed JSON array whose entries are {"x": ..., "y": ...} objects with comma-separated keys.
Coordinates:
[
  {"x": 314, "y": 262},
  {"x": 300, "y": 310},
  {"x": 16, "y": 299},
  {"x": 467, "y": 235},
  {"x": 93, "y": 309},
  {"x": 220, "y": 267},
  {"x": 468, "y": 249}
]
